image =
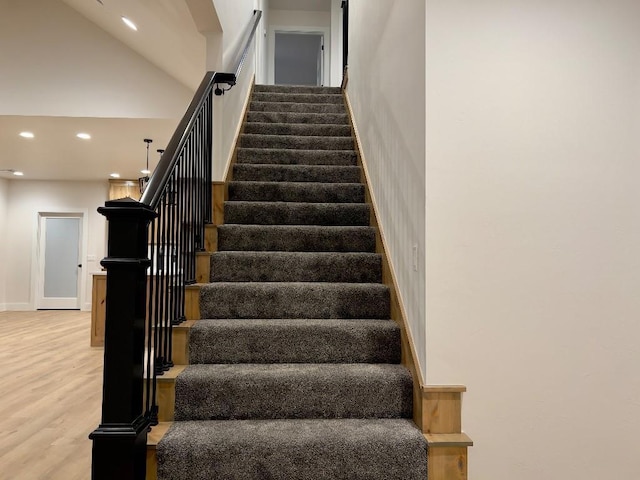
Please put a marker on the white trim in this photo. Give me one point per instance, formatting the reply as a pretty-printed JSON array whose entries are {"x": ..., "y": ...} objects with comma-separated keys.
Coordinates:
[
  {"x": 3, "y": 307},
  {"x": 271, "y": 48},
  {"x": 19, "y": 307},
  {"x": 36, "y": 276}
]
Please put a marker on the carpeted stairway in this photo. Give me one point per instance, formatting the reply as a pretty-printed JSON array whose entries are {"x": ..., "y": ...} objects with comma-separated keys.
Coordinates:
[{"x": 295, "y": 372}]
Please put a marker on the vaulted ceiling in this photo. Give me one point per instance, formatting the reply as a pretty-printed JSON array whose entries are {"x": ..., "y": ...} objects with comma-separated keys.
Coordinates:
[{"x": 71, "y": 66}]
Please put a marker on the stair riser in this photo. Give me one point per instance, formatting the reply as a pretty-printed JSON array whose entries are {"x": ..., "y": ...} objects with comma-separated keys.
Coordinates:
[
  {"x": 296, "y": 239},
  {"x": 305, "y": 118},
  {"x": 225, "y": 392},
  {"x": 295, "y": 341},
  {"x": 257, "y": 213},
  {"x": 297, "y": 157},
  {"x": 298, "y": 129},
  {"x": 296, "y": 142},
  {"x": 300, "y": 450},
  {"x": 305, "y": 98},
  {"x": 294, "y": 300},
  {"x": 296, "y": 192},
  {"x": 295, "y": 267},
  {"x": 296, "y": 107},
  {"x": 296, "y": 173},
  {"x": 297, "y": 89}
]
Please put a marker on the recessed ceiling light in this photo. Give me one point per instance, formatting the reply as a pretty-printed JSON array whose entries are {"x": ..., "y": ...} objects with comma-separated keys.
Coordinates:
[
  {"x": 18, "y": 174},
  {"x": 84, "y": 136},
  {"x": 115, "y": 175},
  {"x": 129, "y": 23},
  {"x": 27, "y": 134}
]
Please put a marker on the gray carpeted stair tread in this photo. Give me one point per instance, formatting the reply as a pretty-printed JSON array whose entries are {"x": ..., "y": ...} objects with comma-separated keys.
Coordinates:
[
  {"x": 304, "y": 129},
  {"x": 298, "y": 142},
  {"x": 296, "y": 238},
  {"x": 294, "y": 300},
  {"x": 303, "y": 192},
  {"x": 296, "y": 173},
  {"x": 297, "y": 89},
  {"x": 285, "y": 156},
  {"x": 295, "y": 372},
  {"x": 340, "y": 449},
  {"x": 296, "y": 213},
  {"x": 293, "y": 97},
  {"x": 297, "y": 117},
  {"x": 294, "y": 341},
  {"x": 337, "y": 267},
  {"x": 266, "y": 106},
  {"x": 301, "y": 390}
]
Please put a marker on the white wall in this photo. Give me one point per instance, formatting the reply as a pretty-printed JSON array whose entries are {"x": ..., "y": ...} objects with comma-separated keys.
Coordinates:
[
  {"x": 336, "y": 43},
  {"x": 46, "y": 47},
  {"x": 385, "y": 39},
  {"x": 26, "y": 199},
  {"x": 533, "y": 212},
  {"x": 262, "y": 64},
  {"x": 299, "y": 18},
  {"x": 234, "y": 16},
  {"x": 4, "y": 206},
  {"x": 231, "y": 107}
]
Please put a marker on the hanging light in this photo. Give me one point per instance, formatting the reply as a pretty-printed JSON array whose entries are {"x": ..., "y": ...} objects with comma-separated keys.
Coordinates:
[{"x": 144, "y": 181}]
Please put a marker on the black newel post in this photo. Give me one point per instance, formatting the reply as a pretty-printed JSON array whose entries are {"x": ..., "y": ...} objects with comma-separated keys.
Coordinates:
[{"x": 119, "y": 442}]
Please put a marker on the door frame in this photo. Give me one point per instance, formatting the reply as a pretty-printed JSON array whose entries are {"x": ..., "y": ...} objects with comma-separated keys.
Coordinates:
[
  {"x": 37, "y": 265},
  {"x": 271, "y": 49}
]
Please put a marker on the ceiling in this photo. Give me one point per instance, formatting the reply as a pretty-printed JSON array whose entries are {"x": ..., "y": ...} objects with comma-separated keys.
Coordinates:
[
  {"x": 167, "y": 39},
  {"x": 116, "y": 145}
]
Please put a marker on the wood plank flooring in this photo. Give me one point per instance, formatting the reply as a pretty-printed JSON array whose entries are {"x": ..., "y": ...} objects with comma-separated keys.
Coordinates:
[{"x": 50, "y": 395}]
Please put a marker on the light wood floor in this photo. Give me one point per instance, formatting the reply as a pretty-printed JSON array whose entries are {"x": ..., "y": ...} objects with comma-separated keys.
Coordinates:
[{"x": 50, "y": 395}]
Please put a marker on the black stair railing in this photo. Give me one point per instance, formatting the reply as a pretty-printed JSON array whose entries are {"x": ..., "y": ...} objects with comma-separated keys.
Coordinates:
[
  {"x": 345, "y": 35},
  {"x": 151, "y": 258}
]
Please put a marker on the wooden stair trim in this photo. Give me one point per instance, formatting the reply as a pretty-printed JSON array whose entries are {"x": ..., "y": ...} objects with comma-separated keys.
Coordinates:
[
  {"x": 153, "y": 438},
  {"x": 436, "y": 408},
  {"x": 192, "y": 301},
  {"x": 447, "y": 463},
  {"x": 426, "y": 389},
  {"x": 180, "y": 342},
  {"x": 219, "y": 194},
  {"x": 389, "y": 278},
  {"x": 203, "y": 267},
  {"x": 166, "y": 393},
  {"x": 439, "y": 440},
  {"x": 442, "y": 409},
  {"x": 211, "y": 237}
]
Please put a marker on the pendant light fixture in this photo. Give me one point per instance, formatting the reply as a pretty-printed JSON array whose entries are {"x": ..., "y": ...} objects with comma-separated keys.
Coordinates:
[{"x": 144, "y": 181}]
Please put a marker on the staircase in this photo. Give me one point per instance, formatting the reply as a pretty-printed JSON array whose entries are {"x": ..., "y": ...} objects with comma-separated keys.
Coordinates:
[{"x": 294, "y": 370}]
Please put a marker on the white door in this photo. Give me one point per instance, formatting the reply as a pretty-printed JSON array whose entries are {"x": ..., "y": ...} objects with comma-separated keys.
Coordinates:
[{"x": 59, "y": 265}]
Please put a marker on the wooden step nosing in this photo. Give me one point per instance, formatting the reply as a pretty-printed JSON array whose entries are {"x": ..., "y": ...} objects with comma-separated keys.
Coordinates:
[
  {"x": 426, "y": 389},
  {"x": 157, "y": 433},
  {"x": 448, "y": 440}
]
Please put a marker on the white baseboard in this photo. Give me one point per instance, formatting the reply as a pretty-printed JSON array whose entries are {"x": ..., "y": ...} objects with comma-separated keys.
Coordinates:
[
  {"x": 3, "y": 307},
  {"x": 19, "y": 307},
  {"x": 86, "y": 307}
]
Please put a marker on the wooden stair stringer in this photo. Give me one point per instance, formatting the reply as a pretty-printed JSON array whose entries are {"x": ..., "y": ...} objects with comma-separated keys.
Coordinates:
[{"x": 437, "y": 410}]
